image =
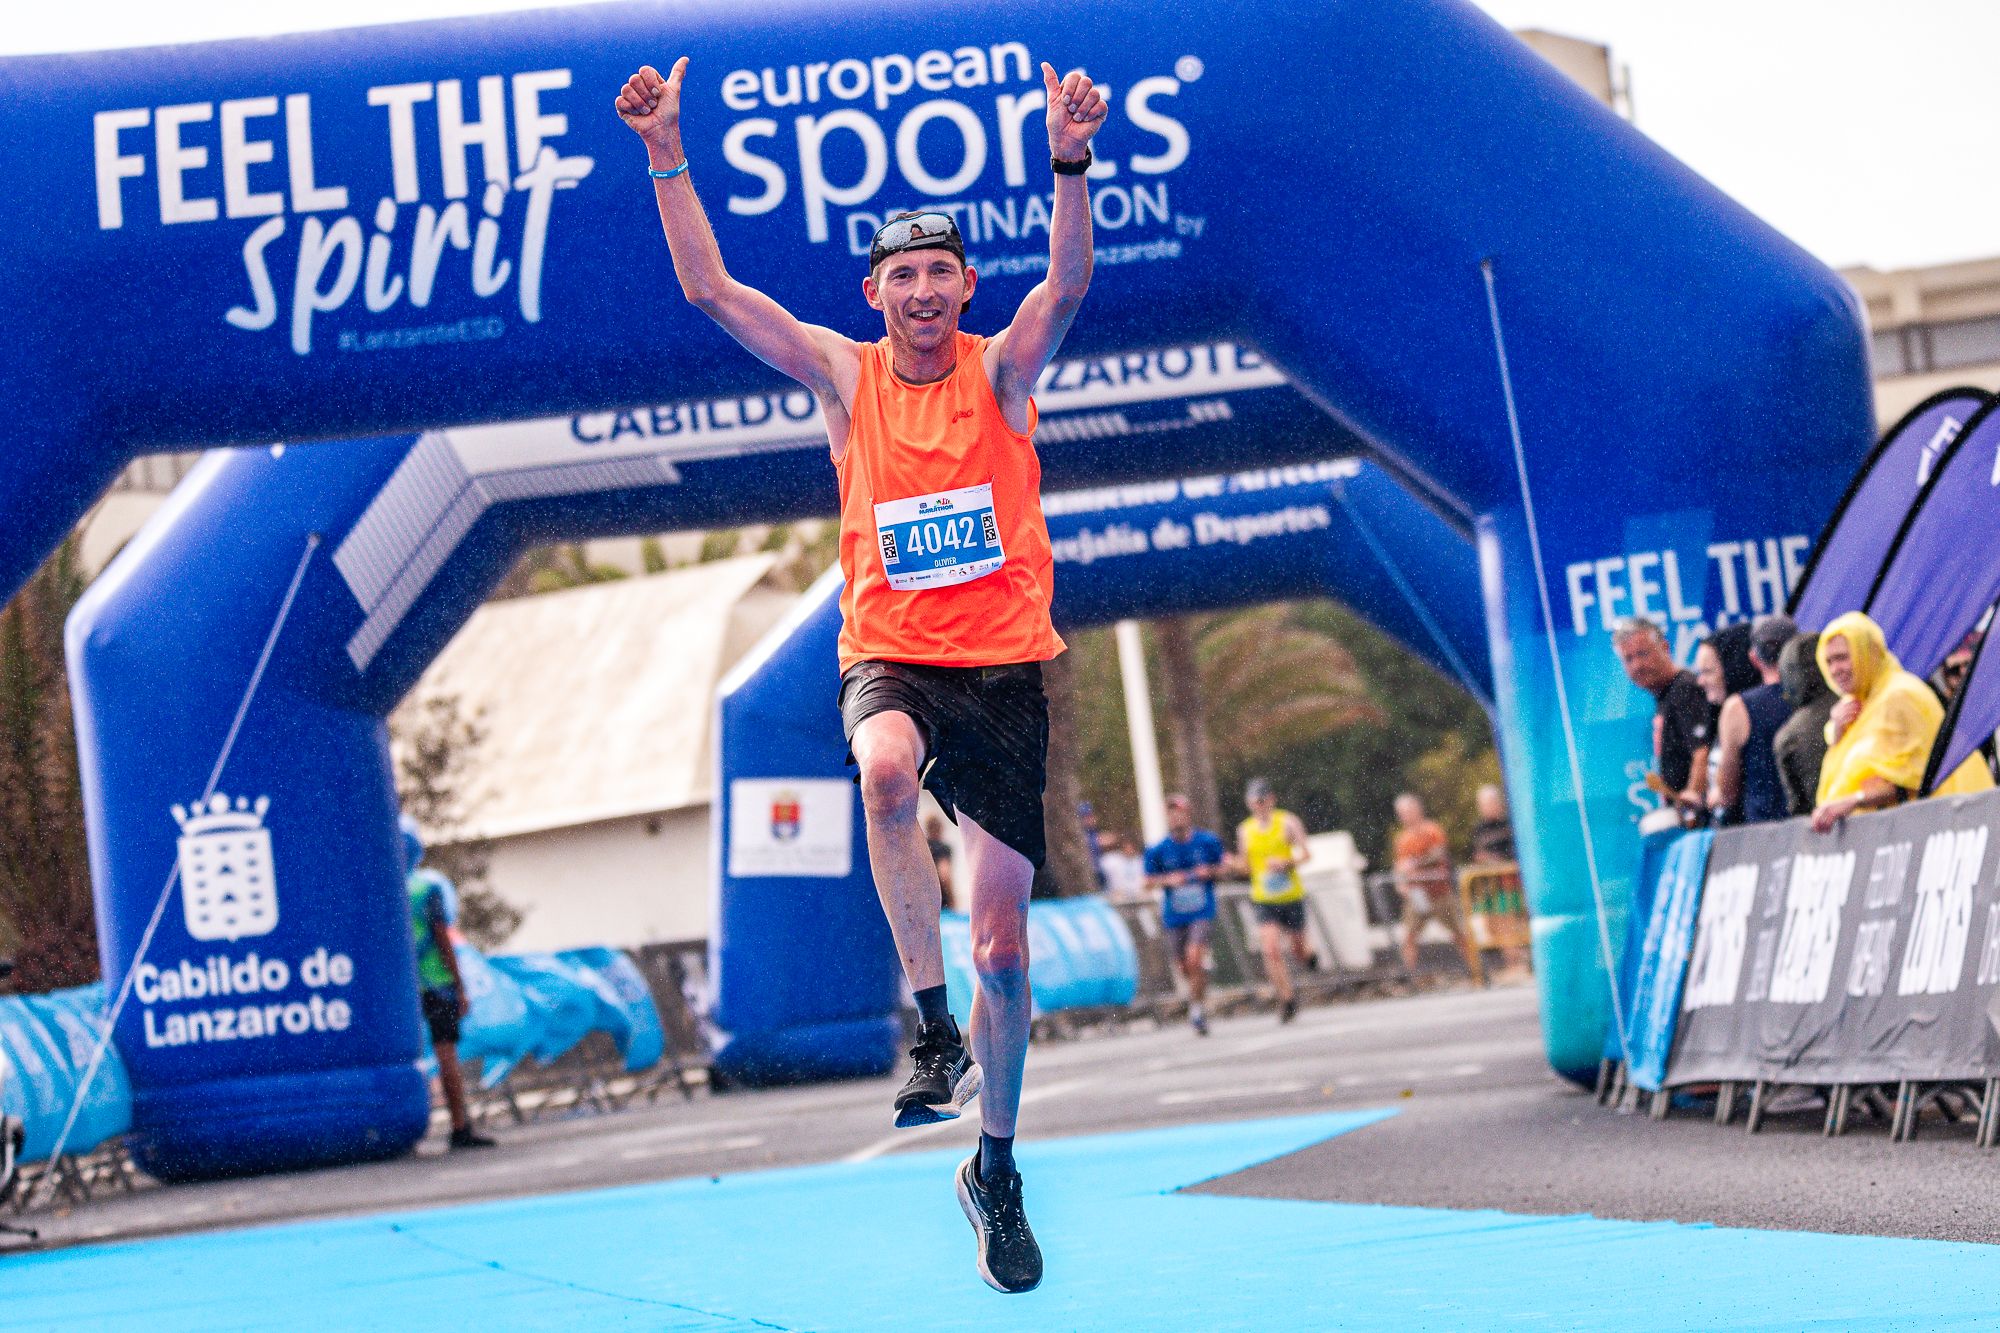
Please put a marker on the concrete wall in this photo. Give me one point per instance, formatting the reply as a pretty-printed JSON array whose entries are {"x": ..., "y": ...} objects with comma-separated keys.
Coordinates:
[{"x": 623, "y": 882}]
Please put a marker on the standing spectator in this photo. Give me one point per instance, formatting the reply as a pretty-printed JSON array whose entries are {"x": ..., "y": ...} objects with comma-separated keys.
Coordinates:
[
  {"x": 1882, "y": 729},
  {"x": 1949, "y": 678},
  {"x": 1746, "y": 770},
  {"x": 1424, "y": 877},
  {"x": 1086, "y": 814},
  {"x": 1124, "y": 871},
  {"x": 1800, "y": 746},
  {"x": 1724, "y": 670},
  {"x": 1272, "y": 844},
  {"x": 1493, "y": 845},
  {"x": 941, "y": 857},
  {"x": 441, "y": 991},
  {"x": 1683, "y": 720},
  {"x": 1493, "y": 835},
  {"x": 1183, "y": 867}
]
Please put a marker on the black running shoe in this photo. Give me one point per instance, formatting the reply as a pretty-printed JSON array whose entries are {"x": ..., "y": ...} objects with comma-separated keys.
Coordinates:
[
  {"x": 1009, "y": 1259},
  {"x": 469, "y": 1138},
  {"x": 1288, "y": 1010},
  {"x": 944, "y": 1079}
]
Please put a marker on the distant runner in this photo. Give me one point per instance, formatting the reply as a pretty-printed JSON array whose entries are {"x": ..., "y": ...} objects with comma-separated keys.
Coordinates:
[
  {"x": 1183, "y": 867},
  {"x": 949, "y": 576},
  {"x": 1272, "y": 844}
]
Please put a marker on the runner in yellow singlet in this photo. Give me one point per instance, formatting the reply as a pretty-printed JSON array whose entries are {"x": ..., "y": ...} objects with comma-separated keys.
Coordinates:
[{"x": 1272, "y": 845}]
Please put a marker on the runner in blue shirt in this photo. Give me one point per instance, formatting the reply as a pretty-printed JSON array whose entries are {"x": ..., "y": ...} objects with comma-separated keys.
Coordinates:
[{"x": 1184, "y": 866}]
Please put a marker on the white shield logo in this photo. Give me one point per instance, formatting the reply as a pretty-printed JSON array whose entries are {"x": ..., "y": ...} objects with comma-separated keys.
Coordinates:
[{"x": 227, "y": 887}]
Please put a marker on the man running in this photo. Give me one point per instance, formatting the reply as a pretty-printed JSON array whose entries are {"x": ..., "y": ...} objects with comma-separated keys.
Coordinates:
[
  {"x": 1272, "y": 844},
  {"x": 946, "y": 606},
  {"x": 1183, "y": 867}
]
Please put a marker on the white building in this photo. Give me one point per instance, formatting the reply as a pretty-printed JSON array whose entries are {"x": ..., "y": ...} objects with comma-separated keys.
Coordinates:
[{"x": 594, "y": 780}]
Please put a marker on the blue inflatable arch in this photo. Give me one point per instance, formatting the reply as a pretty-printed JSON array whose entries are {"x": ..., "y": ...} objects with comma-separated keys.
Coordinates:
[
  {"x": 409, "y": 229},
  {"x": 804, "y": 977}
]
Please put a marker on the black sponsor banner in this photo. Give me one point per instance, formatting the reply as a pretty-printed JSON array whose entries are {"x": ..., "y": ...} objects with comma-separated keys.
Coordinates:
[{"x": 1869, "y": 954}]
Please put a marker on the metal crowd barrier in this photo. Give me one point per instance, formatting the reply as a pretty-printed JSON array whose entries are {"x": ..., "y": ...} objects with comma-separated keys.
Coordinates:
[
  {"x": 1492, "y": 902},
  {"x": 1236, "y": 967},
  {"x": 591, "y": 1076}
]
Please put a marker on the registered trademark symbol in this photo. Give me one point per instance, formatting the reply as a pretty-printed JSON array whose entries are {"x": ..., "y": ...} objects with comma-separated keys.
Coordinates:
[{"x": 1188, "y": 68}]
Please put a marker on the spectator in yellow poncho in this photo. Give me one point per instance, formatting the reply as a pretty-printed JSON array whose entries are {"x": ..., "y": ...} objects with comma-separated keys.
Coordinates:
[{"x": 1879, "y": 739}]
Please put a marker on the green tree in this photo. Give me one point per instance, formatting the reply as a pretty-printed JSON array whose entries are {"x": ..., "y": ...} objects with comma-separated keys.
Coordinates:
[
  {"x": 1336, "y": 714},
  {"x": 553, "y": 568},
  {"x": 1349, "y": 779},
  {"x": 44, "y": 869},
  {"x": 436, "y": 750}
]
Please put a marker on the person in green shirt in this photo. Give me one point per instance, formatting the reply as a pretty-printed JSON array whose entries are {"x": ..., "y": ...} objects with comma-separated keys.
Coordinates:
[{"x": 440, "y": 989}]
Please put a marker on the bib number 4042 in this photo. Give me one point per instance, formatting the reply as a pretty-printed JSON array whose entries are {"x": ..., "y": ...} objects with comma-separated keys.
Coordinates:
[{"x": 933, "y": 541}]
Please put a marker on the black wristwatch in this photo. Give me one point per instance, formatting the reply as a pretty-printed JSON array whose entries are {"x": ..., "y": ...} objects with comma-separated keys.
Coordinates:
[{"x": 1062, "y": 168}]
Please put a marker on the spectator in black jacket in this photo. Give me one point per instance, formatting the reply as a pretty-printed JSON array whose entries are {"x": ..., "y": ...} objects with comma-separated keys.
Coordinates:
[{"x": 1800, "y": 746}]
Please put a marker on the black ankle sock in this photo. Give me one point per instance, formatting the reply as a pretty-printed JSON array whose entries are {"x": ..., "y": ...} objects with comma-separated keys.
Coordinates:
[
  {"x": 931, "y": 1007},
  {"x": 996, "y": 1156}
]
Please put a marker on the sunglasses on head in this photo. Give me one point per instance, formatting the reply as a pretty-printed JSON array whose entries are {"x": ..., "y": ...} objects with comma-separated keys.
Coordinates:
[{"x": 916, "y": 231}]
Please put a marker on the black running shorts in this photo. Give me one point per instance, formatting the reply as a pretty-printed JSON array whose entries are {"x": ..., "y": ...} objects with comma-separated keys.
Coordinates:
[
  {"x": 1289, "y": 916},
  {"x": 441, "y": 1014},
  {"x": 986, "y": 738}
]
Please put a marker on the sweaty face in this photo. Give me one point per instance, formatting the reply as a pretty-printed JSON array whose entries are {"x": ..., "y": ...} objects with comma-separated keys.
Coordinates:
[
  {"x": 1180, "y": 820},
  {"x": 1839, "y": 665},
  {"x": 1263, "y": 806},
  {"x": 1409, "y": 813},
  {"x": 920, "y": 294},
  {"x": 1646, "y": 660}
]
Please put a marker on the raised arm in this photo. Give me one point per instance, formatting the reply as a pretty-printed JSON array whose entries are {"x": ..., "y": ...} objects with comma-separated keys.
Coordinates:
[
  {"x": 816, "y": 357},
  {"x": 1016, "y": 358}
]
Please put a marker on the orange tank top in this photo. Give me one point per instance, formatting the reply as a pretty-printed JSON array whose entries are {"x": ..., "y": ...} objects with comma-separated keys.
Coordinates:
[{"x": 942, "y": 539}]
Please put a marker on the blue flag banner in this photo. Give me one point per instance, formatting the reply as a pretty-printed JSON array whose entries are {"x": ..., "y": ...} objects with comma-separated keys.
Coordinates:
[
  {"x": 1858, "y": 538},
  {"x": 625, "y": 1004},
  {"x": 1080, "y": 955},
  {"x": 46, "y": 1041},
  {"x": 1923, "y": 614},
  {"x": 566, "y": 1006},
  {"x": 501, "y": 1029},
  {"x": 1661, "y": 966},
  {"x": 1972, "y": 718}
]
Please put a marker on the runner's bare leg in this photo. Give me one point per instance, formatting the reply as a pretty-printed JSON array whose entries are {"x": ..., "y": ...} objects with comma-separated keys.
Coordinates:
[
  {"x": 1000, "y": 878},
  {"x": 889, "y": 750},
  {"x": 1194, "y": 967},
  {"x": 1272, "y": 937}
]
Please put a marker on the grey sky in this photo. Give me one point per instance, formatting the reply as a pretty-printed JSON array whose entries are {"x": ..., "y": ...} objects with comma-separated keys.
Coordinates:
[{"x": 1860, "y": 128}]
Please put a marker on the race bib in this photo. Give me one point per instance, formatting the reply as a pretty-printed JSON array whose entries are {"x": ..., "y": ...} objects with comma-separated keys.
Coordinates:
[
  {"x": 1187, "y": 899},
  {"x": 935, "y": 541}
]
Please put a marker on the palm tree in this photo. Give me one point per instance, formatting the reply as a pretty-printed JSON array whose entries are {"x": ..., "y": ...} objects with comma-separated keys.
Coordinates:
[{"x": 1270, "y": 682}]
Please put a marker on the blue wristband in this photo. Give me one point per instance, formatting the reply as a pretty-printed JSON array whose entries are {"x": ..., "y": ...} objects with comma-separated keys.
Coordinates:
[{"x": 669, "y": 174}]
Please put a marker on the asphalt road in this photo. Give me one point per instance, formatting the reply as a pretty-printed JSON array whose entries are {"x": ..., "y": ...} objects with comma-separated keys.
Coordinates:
[{"x": 1481, "y": 1123}]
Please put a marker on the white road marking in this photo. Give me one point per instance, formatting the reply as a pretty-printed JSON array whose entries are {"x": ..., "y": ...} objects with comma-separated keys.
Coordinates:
[
  {"x": 1407, "y": 1076},
  {"x": 1229, "y": 1094},
  {"x": 687, "y": 1149},
  {"x": 890, "y": 1142}
]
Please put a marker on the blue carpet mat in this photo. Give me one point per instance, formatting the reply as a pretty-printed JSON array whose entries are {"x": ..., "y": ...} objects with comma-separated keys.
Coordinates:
[{"x": 882, "y": 1246}]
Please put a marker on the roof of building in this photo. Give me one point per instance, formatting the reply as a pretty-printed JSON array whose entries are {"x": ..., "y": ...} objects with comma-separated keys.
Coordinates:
[{"x": 597, "y": 701}]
